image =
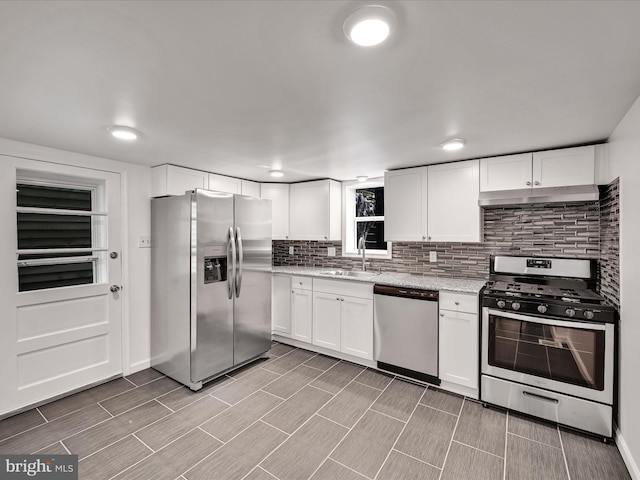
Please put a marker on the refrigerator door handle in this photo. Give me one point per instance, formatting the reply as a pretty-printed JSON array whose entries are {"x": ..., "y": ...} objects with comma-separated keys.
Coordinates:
[
  {"x": 240, "y": 261},
  {"x": 231, "y": 262}
]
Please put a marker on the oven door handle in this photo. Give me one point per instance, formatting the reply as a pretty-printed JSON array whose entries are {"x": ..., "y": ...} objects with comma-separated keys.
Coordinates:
[
  {"x": 549, "y": 321},
  {"x": 540, "y": 397}
]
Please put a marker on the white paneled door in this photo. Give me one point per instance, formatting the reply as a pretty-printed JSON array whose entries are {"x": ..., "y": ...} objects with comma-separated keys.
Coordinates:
[{"x": 61, "y": 280}]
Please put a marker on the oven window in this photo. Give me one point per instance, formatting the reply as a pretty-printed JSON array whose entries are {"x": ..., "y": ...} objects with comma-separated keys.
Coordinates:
[{"x": 570, "y": 355}]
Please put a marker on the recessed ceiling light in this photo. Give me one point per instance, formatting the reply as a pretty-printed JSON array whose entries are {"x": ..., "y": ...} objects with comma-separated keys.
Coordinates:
[
  {"x": 124, "y": 133},
  {"x": 362, "y": 178},
  {"x": 276, "y": 173},
  {"x": 453, "y": 144},
  {"x": 369, "y": 25}
]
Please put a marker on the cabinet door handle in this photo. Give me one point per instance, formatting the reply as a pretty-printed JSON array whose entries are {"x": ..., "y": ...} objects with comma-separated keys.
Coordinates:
[
  {"x": 338, "y": 298},
  {"x": 442, "y": 314},
  {"x": 342, "y": 299},
  {"x": 528, "y": 184},
  {"x": 536, "y": 183},
  {"x": 457, "y": 303}
]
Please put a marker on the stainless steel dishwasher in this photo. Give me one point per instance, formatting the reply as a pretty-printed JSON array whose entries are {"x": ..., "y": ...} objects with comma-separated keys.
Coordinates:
[{"x": 406, "y": 332}]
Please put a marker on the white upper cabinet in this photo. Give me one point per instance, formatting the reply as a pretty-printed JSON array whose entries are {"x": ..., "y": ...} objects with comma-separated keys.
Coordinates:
[
  {"x": 438, "y": 203},
  {"x": 252, "y": 189},
  {"x": 222, "y": 183},
  {"x": 561, "y": 168},
  {"x": 278, "y": 193},
  {"x": 315, "y": 210},
  {"x": 452, "y": 202},
  {"x": 509, "y": 172},
  {"x": 172, "y": 180},
  {"x": 553, "y": 168},
  {"x": 405, "y": 209}
]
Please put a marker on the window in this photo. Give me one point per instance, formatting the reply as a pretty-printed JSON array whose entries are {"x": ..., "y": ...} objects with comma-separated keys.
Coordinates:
[
  {"x": 59, "y": 234},
  {"x": 364, "y": 218}
]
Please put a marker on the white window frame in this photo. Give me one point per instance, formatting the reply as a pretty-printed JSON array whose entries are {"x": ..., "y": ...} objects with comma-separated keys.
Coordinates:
[
  {"x": 349, "y": 241},
  {"x": 98, "y": 252}
]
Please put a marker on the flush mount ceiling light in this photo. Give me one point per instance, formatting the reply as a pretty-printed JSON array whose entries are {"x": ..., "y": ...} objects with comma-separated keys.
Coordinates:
[
  {"x": 362, "y": 178},
  {"x": 453, "y": 144},
  {"x": 124, "y": 133},
  {"x": 276, "y": 173},
  {"x": 369, "y": 25}
]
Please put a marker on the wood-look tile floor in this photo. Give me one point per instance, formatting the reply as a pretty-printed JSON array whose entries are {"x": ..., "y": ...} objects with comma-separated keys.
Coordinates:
[{"x": 298, "y": 415}]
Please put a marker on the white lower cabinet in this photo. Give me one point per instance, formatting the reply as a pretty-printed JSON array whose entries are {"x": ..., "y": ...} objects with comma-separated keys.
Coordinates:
[
  {"x": 326, "y": 320},
  {"x": 281, "y": 305},
  {"x": 458, "y": 343},
  {"x": 343, "y": 317},
  {"x": 356, "y": 332},
  {"x": 301, "y": 309}
]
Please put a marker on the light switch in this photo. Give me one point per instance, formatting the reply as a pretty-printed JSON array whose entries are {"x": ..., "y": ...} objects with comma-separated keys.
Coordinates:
[
  {"x": 331, "y": 251},
  {"x": 433, "y": 256},
  {"x": 291, "y": 250}
]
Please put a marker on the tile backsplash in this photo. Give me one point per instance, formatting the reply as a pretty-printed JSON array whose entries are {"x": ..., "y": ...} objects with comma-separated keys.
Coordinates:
[
  {"x": 586, "y": 230},
  {"x": 610, "y": 242}
]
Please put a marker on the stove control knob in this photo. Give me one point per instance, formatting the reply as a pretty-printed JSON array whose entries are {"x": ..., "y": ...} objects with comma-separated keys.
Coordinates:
[
  {"x": 588, "y": 314},
  {"x": 501, "y": 303},
  {"x": 515, "y": 306},
  {"x": 542, "y": 308},
  {"x": 570, "y": 312}
]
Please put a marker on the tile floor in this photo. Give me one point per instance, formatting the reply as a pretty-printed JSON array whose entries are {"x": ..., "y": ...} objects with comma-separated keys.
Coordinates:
[{"x": 298, "y": 415}]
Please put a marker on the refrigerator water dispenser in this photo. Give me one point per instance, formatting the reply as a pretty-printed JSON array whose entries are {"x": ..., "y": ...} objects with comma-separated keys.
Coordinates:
[{"x": 215, "y": 269}]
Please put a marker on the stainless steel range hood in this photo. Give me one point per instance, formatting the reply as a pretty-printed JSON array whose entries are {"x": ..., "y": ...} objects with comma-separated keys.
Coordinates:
[{"x": 527, "y": 196}]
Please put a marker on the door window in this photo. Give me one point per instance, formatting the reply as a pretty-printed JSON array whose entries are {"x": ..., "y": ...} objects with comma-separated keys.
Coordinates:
[{"x": 60, "y": 235}]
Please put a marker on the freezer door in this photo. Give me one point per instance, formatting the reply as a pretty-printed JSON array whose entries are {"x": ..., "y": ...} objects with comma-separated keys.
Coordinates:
[
  {"x": 252, "y": 330},
  {"x": 211, "y": 287}
]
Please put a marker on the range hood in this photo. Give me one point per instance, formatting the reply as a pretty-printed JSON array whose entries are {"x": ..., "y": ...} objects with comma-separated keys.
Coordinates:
[{"x": 527, "y": 196}]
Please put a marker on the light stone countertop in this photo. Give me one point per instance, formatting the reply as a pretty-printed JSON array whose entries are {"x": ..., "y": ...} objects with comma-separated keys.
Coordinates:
[{"x": 394, "y": 279}]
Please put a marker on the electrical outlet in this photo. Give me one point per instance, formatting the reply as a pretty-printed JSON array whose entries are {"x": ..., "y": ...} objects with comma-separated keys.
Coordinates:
[
  {"x": 291, "y": 250},
  {"x": 331, "y": 251},
  {"x": 144, "y": 242},
  {"x": 433, "y": 257}
]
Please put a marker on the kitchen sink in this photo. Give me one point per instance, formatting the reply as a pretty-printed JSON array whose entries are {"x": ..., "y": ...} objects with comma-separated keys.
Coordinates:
[{"x": 349, "y": 273}]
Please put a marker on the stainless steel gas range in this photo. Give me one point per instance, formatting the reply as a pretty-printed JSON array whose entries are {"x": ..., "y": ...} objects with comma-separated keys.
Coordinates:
[{"x": 548, "y": 342}]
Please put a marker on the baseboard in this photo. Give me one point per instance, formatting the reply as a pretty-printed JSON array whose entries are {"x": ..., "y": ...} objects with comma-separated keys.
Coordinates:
[
  {"x": 325, "y": 351},
  {"x": 136, "y": 367},
  {"x": 629, "y": 461}
]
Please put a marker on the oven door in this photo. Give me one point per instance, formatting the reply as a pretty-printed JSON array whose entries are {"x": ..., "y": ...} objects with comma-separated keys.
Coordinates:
[{"x": 571, "y": 357}]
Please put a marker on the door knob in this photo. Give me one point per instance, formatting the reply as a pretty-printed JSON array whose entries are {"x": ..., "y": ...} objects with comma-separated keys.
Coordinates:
[{"x": 114, "y": 288}]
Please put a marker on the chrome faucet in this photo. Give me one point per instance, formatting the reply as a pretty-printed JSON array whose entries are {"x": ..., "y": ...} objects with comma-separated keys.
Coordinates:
[{"x": 361, "y": 248}]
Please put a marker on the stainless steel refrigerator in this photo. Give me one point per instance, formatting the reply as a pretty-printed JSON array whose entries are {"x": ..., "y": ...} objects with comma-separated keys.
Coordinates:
[{"x": 210, "y": 284}]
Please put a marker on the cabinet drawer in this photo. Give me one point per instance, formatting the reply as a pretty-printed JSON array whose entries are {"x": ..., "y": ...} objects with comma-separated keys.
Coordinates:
[
  {"x": 349, "y": 289},
  {"x": 303, "y": 283},
  {"x": 459, "y": 302}
]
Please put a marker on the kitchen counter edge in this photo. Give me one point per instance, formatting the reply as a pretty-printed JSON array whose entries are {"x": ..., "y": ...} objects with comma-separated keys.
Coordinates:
[{"x": 461, "y": 285}]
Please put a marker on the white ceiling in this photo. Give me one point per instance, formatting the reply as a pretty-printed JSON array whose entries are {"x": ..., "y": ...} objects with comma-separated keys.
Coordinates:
[{"x": 234, "y": 86}]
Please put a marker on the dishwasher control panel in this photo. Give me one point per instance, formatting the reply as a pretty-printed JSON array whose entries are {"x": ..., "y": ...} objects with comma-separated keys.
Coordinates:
[{"x": 405, "y": 292}]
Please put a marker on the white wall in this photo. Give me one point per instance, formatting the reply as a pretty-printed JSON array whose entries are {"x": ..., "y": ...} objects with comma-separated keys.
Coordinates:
[
  {"x": 136, "y": 189},
  {"x": 624, "y": 162}
]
